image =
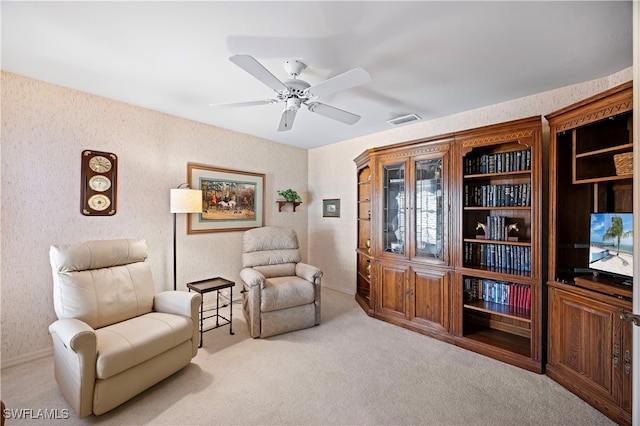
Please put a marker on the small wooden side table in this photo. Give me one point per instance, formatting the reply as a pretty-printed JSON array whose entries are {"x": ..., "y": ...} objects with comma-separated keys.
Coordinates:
[{"x": 213, "y": 284}]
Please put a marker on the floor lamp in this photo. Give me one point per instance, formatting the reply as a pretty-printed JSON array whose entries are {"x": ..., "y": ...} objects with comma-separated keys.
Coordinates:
[{"x": 183, "y": 200}]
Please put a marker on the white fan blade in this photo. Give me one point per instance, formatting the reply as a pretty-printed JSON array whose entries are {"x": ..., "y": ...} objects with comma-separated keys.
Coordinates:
[
  {"x": 244, "y": 104},
  {"x": 286, "y": 121},
  {"x": 334, "y": 113},
  {"x": 256, "y": 69},
  {"x": 347, "y": 80}
]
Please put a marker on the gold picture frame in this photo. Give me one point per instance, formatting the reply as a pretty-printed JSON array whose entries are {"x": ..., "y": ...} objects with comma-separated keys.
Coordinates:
[{"x": 232, "y": 200}]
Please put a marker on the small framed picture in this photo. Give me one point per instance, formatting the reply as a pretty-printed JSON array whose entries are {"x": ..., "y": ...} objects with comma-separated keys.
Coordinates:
[{"x": 331, "y": 207}]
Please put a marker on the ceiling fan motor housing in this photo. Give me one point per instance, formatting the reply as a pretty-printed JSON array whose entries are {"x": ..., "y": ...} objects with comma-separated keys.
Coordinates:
[
  {"x": 294, "y": 67},
  {"x": 297, "y": 87}
]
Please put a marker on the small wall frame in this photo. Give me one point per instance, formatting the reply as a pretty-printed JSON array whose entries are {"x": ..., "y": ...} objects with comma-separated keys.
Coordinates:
[{"x": 331, "y": 207}]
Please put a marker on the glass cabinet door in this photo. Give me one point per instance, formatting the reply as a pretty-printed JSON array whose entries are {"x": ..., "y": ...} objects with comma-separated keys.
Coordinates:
[
  {"x": 394, "y": 211},
  {"x": 429, "y": 221}
]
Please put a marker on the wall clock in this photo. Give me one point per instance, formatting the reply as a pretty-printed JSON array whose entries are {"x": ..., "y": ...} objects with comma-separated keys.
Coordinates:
[{"x": 98, "y": 188}]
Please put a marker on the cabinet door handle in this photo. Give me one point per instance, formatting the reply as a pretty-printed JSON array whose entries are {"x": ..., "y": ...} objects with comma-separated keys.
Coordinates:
[
  {"x": 630, "y": 317},
  {"x": 616, "y": 355}
]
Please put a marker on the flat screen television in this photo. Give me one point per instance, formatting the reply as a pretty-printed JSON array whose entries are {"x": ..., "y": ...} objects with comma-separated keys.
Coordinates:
[{"x": 611, "y": 245}]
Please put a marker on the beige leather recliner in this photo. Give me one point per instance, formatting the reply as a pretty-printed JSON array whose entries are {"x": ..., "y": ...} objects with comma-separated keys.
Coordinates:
[
  {"x": 280, "y": 293},
  {"x": 115, "y": 337}
]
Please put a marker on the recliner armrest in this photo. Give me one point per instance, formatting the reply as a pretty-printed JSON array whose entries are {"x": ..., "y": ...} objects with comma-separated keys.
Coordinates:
[
  {"x": 177, "y": 302},
  {"x": 251, "y": 277},
  {"x": 308, "y": 272},
  {"x": 181, "y": 303},
  {"x": 74, "y": 334},
  {"x": 75, "y": 348}
]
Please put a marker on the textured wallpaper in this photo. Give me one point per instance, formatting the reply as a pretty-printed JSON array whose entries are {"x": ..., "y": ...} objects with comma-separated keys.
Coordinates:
[
  {"x": 45, "y": 128},
  {"x": 332, "y": 172}
]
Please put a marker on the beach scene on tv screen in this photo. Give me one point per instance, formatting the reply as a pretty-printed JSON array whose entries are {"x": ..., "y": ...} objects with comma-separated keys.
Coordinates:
[{"x": 611, "y": 243}]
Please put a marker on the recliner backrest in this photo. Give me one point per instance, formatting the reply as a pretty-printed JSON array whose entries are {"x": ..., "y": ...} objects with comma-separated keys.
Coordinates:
[
  {"x": 270, "y": 245},
  {"x": 102, "y": 282}
]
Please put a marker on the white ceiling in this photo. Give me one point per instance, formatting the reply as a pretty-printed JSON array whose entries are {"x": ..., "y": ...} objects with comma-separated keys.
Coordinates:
[{"x": 425, "y": 57}]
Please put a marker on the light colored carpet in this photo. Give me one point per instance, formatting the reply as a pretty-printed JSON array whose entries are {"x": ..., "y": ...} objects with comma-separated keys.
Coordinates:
[{"x": 351, "y": 369}]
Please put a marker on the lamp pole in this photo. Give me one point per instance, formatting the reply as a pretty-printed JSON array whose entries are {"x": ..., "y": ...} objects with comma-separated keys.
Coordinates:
[
  {"x": 175, "y": 274},
  {"x": 183, "y": 200}
]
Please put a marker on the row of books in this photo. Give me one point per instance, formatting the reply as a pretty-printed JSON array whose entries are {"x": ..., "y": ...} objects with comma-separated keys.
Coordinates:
[
  {"x": 501, "y": 292},
  {"x": 497, "y": 229},
  {"x": 501, "y": 162},
  {"x": 505, "y": 258},
  {"x": 499, "y": 195}
]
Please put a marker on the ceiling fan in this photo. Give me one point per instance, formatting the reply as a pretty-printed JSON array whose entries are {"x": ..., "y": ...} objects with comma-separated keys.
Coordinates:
[{"x": 295, "y": 92}]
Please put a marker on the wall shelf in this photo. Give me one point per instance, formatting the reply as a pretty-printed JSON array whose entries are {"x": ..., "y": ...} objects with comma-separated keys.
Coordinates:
[{"x": 282, "y": 203}]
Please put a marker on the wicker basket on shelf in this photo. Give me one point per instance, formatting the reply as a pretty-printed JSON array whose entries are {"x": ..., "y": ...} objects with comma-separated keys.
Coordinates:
[{"x": 623, "y": 163}]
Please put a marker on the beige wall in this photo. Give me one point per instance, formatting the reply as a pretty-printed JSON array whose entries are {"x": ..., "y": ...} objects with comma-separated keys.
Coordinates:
[
  {"x": 332, "y": 170},
  {"x": 44, "y": 130}
]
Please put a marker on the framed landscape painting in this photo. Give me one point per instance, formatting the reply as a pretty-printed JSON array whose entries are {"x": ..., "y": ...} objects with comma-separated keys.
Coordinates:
[{"x": 232, "y": 200}]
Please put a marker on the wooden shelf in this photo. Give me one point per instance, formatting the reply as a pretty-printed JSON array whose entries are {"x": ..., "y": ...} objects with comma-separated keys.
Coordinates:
[
  {"x": 502, "y": 242},
  {"x": 604, "y": 285},
  {"x": 626, "y": 147},
  {"x": 491, "y": 274},
  {"x": 508, "y": 342},
  {"x": 480, "y": 208},
  {"x": 282, "y": 203},
  {"x": 499, "y": 309},
  {"x": 501, "y": 174}
]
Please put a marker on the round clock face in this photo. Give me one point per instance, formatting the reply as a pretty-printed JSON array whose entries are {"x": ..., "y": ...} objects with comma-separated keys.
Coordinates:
[
  {"x": 99, "y": 183},
  {"x": 99, "y": 202},
  {"x": 100, "y": 164}
]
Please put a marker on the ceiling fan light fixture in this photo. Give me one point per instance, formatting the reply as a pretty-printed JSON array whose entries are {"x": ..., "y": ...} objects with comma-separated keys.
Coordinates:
[
  {"x": 404, "y": 119},
  {"x": 293, "y": 104}
]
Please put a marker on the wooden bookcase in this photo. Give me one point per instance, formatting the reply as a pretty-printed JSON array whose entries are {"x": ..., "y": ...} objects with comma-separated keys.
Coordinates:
[
  {"x": 589, "y": 346},
  {"x": 363, "y": 250},
  {"x": 499, "y": 245},
  {"x": 427, "y": 198}
]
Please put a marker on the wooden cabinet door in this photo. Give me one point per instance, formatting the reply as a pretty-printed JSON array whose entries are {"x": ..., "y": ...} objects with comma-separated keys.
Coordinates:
[
  {"x": 392, "y": 290},
  {"x": 586, "y": 346},
  {"x": 430, "y": 298}
]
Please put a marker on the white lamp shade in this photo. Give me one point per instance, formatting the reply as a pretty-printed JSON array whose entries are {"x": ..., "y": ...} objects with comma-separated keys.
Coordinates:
[{"x": 185, "y": 200}]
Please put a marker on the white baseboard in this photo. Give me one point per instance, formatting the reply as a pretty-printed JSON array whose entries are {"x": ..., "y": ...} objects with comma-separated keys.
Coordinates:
[
  {"x": 32, "y": 356},
  {"x": 339, "y": 289}
]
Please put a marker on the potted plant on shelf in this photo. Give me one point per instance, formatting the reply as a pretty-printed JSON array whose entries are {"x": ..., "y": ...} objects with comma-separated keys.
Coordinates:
[{"x": 290, "y": 196}]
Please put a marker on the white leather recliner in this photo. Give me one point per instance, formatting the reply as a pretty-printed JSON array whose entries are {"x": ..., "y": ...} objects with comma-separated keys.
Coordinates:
[{"x": 115, "y": 337}]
